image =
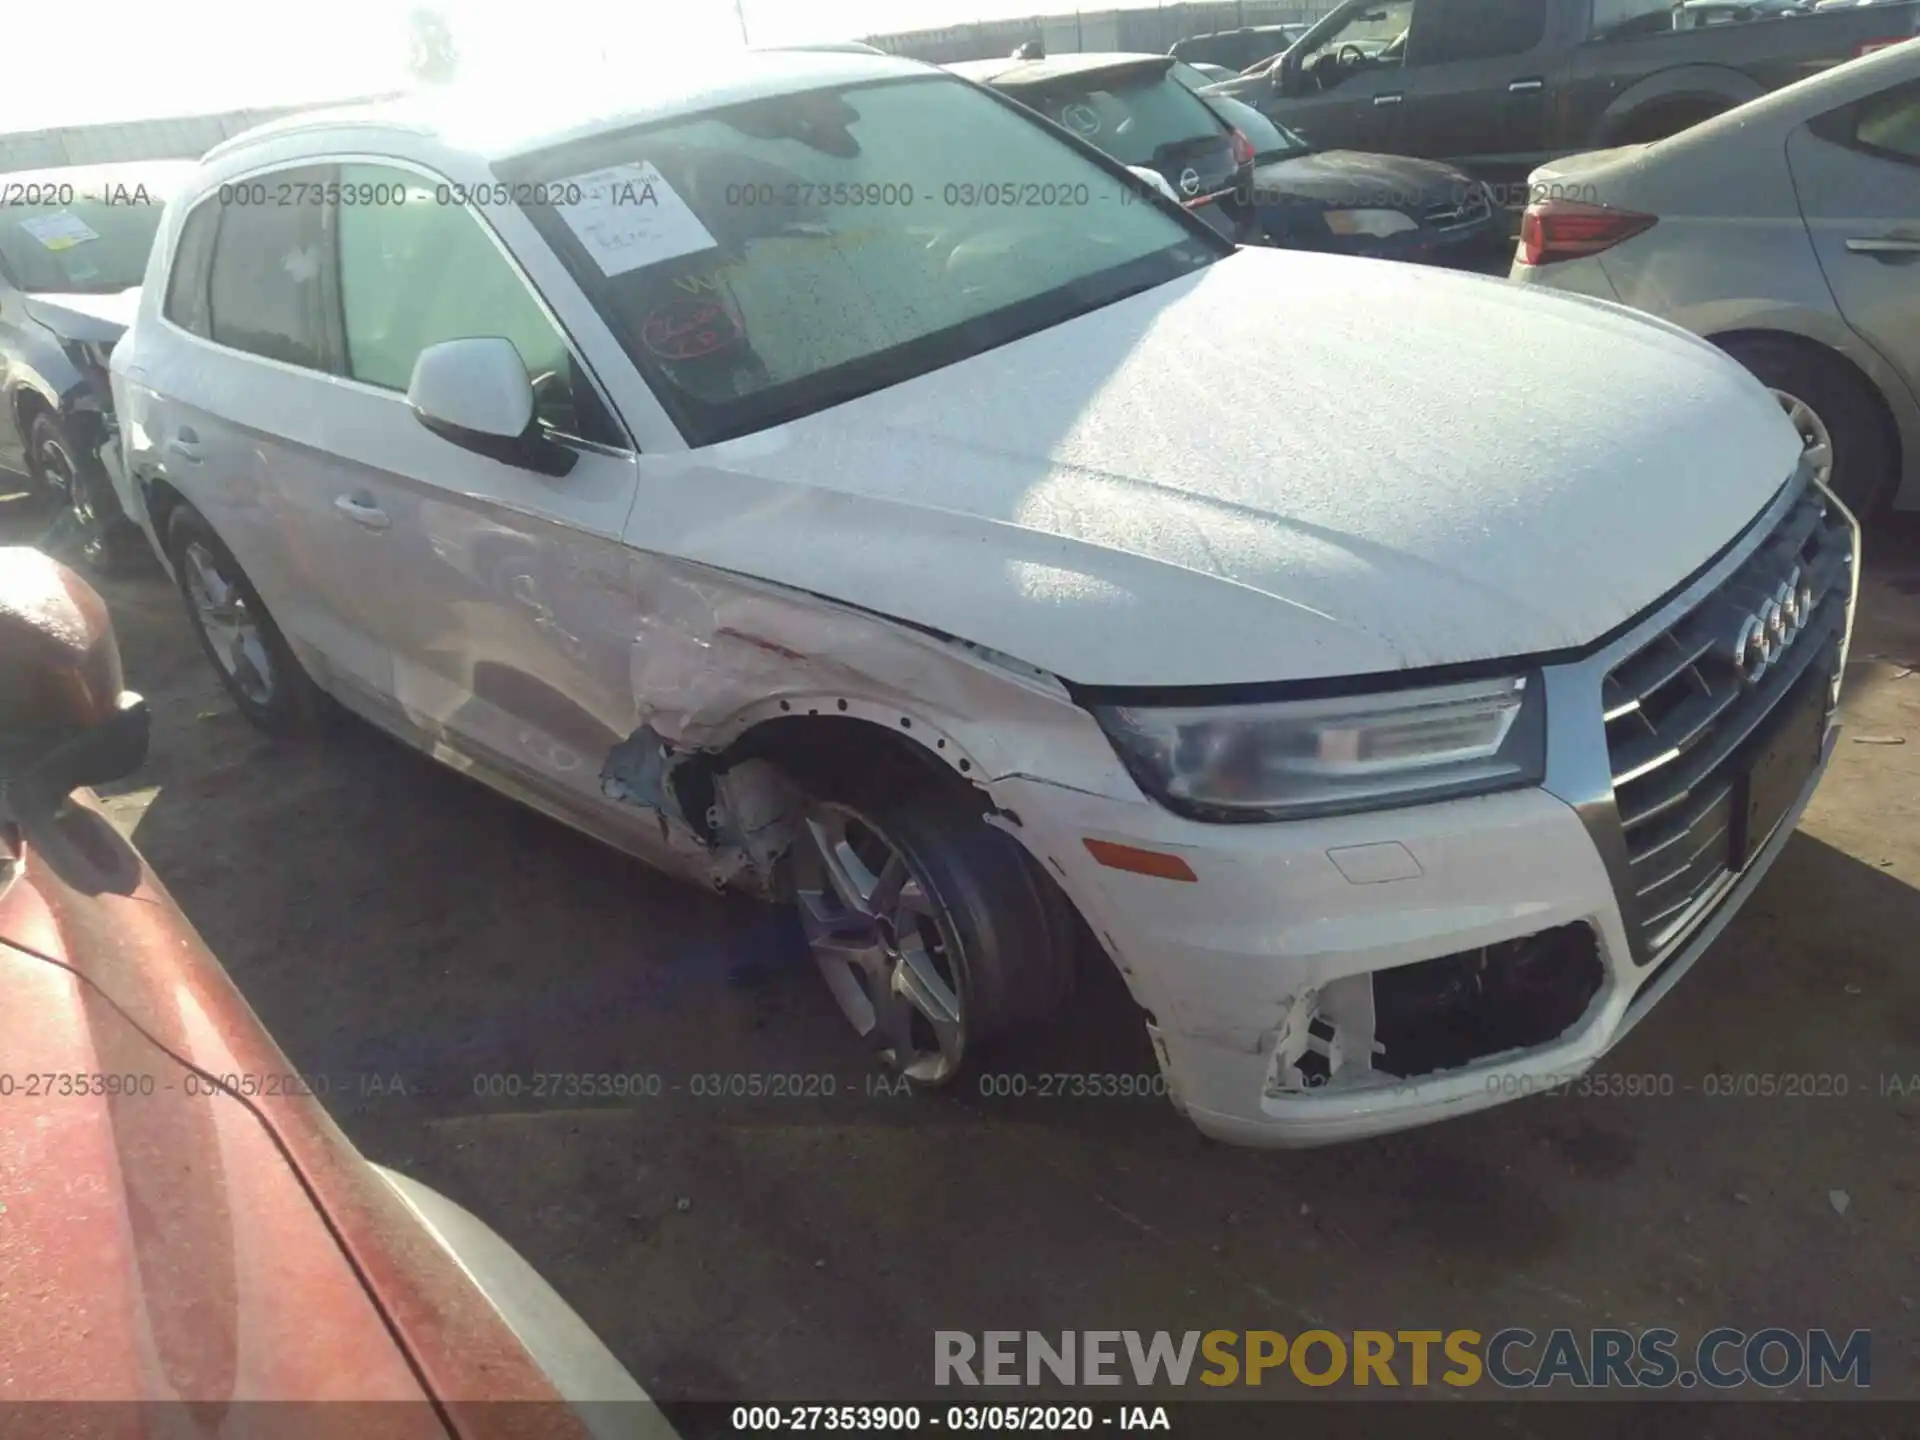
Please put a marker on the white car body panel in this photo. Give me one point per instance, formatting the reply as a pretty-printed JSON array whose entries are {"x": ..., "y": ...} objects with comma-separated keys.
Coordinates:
[
  {"x": 1221, "y": 481},
  {"x": 1160, "y": 493},
  {"x": 1754, "y": 212}
]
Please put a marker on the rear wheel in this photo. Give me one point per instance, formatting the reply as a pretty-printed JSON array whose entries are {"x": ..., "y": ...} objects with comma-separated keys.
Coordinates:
[
  {"x": 1840, "y": 427},
  {"x": 934, "y": 932},
  {"x": 248, "y": 652}
]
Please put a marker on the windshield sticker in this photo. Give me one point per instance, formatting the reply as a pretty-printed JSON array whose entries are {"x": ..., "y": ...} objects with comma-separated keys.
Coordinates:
[
  {"x": 59, "y": 232},
  {"x": 629, "y": 217},
  {"x": 689, "y": 330}
]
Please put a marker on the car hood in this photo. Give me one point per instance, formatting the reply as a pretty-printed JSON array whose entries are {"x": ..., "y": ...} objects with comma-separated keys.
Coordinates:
[
  {"x": 1284, "y": 466},
  {"x": 1354, "y": 178},
  {"x": 159, "y": 1231},
  {"x": 82, "y": 316}
]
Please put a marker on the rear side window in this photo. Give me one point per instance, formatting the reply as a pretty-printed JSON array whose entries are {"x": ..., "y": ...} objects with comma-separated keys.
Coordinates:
[
  {"x": 192, "y": 261},
  {"x": 1630, "y": 19},
  {"x": 270, "y": 289},
  {"x": 1455, "y": 30},
  {"x": 1889, "y": 124}
]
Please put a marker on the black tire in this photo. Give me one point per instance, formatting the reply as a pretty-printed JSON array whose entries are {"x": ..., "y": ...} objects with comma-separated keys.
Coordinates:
[
  {"x": 92, "y": 525},
  {"x": 1862, "y": 455},
  {"x": 1006, "y": 935},
  {"x": 289, "y": 704}
]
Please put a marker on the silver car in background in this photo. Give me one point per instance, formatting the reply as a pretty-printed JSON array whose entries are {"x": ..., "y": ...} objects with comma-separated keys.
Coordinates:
[{"x": 1787, "y": 231}]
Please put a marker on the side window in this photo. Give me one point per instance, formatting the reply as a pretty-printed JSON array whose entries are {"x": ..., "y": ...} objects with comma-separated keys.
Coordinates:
[
  {"x": 1630, "y": 19},
  {"x": 415, "y": 272},
  {"x": 1889, "y": 124},
  {"x": 192, "y": 261},
  {"x": 269, "y": 290},
  {"x": 1371, "y": 37},
  {"x": 1455, "y": 30}
]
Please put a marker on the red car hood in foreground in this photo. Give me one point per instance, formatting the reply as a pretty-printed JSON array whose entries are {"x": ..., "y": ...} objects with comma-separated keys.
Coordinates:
[{"x": 158, "y": 1244}]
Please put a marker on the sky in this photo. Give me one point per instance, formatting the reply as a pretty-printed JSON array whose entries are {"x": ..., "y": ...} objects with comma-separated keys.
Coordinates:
[{"x": 111, "y": 60}]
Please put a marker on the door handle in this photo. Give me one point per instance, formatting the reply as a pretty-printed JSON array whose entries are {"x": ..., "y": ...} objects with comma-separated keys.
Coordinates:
[
  {"x": 360, "y": 509},
  {"x": 183, "y": 442},
  {"x": 1519, "y": 87},
  {"x": 1884, "y": 247},
  {"x": 1393, "y": 99}
]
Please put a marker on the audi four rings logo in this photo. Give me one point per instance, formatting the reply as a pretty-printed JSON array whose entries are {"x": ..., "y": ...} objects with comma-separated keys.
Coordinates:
[
  {"x": 1189, "y": 181},
  {"x": 1772, "y": 627}
]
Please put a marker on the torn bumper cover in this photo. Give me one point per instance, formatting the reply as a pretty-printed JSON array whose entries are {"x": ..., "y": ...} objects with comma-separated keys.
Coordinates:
[{"x": 1292, "y": 1004}]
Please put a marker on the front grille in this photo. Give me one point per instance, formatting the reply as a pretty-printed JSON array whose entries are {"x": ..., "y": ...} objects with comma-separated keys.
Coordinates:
[
  {"x": 1471, "y": 209},
  {"x": 1681, "y": 707}
]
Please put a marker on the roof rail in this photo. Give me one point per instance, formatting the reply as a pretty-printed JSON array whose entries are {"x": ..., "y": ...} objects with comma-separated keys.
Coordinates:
[{"x": 321, "y": 117}]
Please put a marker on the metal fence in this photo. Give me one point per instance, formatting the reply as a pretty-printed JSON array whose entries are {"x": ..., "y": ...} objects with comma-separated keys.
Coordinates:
[
  {"x": 187, "y": 137},
  {"x": 1143, "y": 31}
]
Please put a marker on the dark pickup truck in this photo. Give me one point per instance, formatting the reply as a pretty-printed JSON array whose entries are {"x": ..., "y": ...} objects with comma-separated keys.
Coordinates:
[{"x": 1498, "y": 87}]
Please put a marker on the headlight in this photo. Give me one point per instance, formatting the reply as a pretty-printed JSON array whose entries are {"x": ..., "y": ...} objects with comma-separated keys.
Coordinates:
[
  {"x": 1318, "y": 757},
  {"x": 1377, "y": 223}
]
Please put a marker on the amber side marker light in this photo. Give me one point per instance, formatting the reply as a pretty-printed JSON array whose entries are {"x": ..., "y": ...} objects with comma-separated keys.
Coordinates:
[{"x": 1140, "y": 862}]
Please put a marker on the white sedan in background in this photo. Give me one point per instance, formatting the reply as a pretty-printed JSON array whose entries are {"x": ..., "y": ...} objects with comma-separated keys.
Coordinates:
[{"x": 1787, "y": 231}]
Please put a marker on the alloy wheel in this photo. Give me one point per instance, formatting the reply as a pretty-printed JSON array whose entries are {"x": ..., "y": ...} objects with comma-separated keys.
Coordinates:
[
  {"x": 883, "y": 942},
  {"x": 232, "y": 630},
  {"x": 1814, "y": 439},
  {"x": 62, "y": 476}
]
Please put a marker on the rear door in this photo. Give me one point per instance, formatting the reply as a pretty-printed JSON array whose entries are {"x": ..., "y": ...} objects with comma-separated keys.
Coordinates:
[
  {"x": 1857, "y": 171},
  {"x": 1480, "y": 75},
  {"x": 236, "y": 410}
]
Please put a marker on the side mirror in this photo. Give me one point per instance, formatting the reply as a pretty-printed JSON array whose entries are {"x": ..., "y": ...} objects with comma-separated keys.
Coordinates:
[
  {"x": 475, "y": 393},
  {"x": 66, "y": 719}
]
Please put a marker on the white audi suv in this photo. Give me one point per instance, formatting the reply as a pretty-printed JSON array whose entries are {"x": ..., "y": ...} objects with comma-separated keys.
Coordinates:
[{"x": 828, "y": 481}]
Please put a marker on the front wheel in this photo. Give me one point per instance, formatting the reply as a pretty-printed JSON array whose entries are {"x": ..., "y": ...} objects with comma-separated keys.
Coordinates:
[
  {"x": 930, "y": 927},
  {"x": 90, "y": 517}
]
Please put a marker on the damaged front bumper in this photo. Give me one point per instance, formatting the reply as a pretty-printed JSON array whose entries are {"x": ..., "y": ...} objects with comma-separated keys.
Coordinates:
[
  {"x": 1323, "y": 980},
  {"x": 1382, "y": 972}
]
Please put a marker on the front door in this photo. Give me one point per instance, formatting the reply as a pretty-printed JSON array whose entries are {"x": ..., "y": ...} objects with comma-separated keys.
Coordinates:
[
  {"x": 507, "y": 593},
  {"x": 1348, "y": 91},
  {"x": 1480, "y": 76}
]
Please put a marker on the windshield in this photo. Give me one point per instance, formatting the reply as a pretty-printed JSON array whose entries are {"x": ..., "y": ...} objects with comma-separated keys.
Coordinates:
[
  {"x": 81, "y": 246},
  {"x": 772, "y": 258}
]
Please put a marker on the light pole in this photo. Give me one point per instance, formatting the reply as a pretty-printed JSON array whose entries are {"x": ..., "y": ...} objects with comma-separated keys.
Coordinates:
[{"x": 740, "y": 14}]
